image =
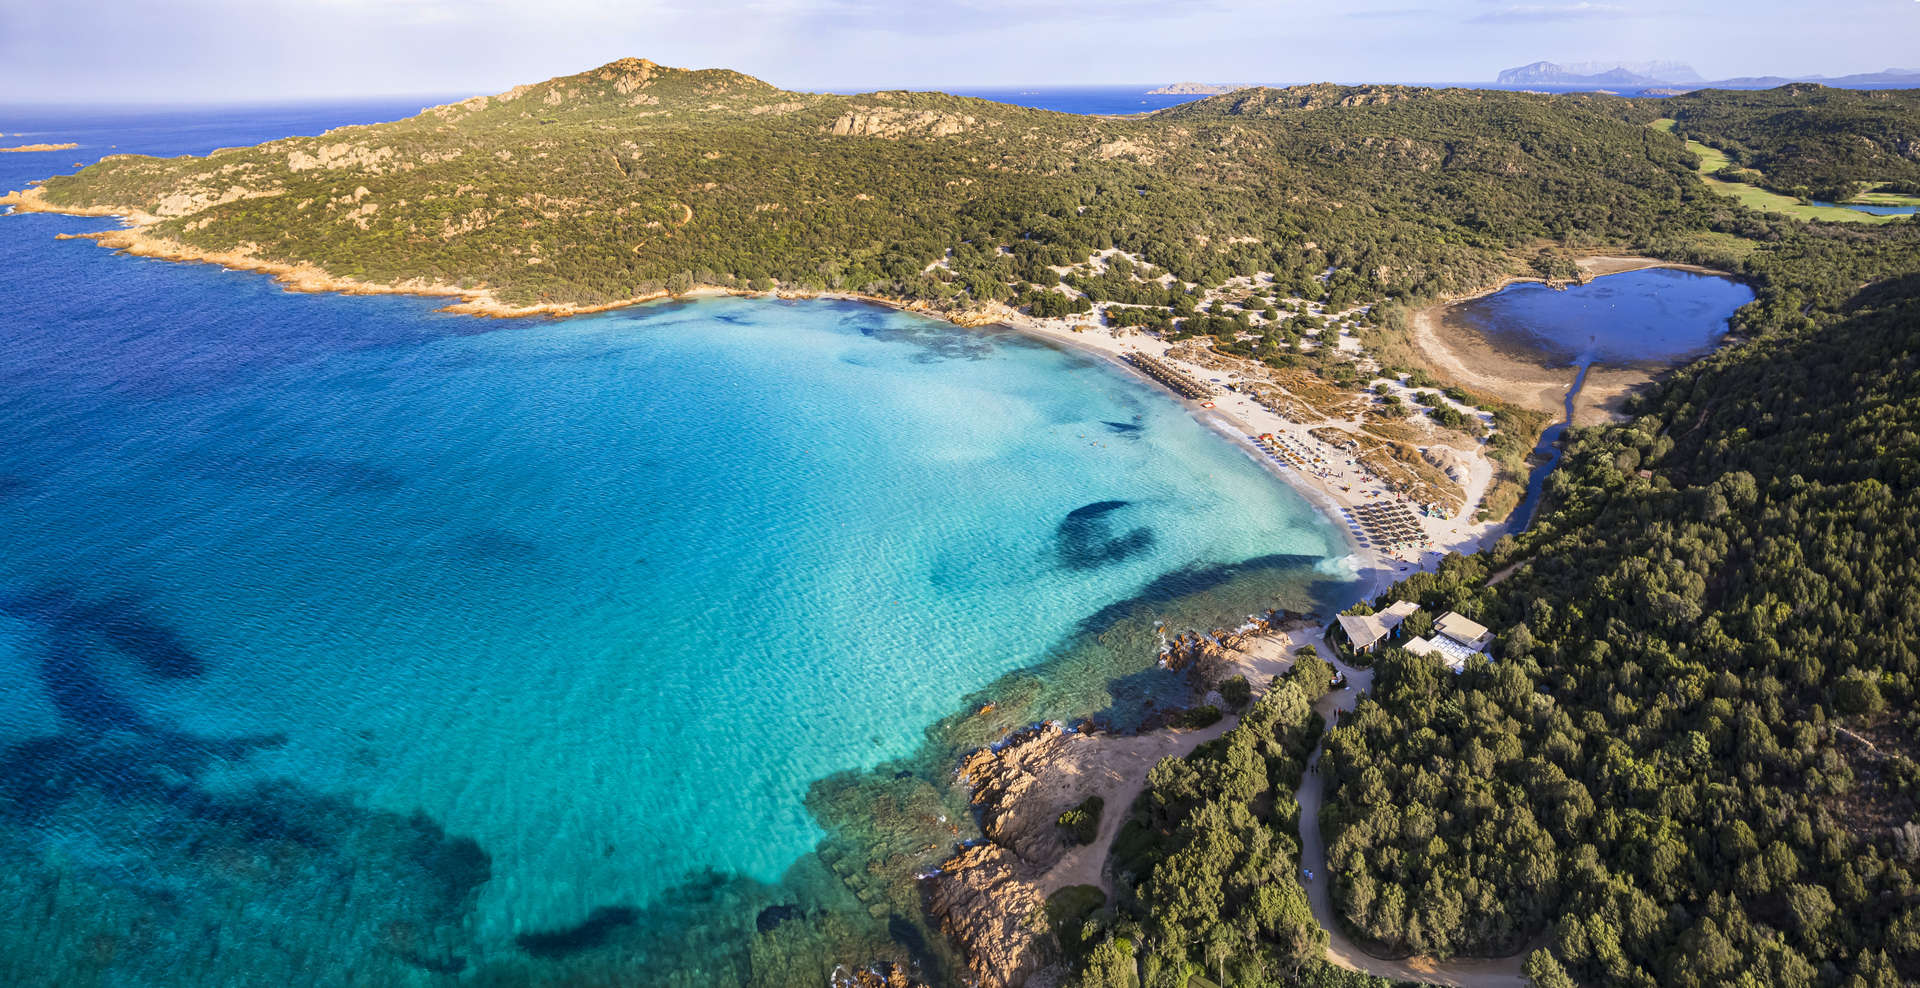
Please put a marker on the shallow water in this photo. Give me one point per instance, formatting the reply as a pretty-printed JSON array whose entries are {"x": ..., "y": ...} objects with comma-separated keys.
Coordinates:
[
  {"x": 1650, "y": 317},
  {"x": 348, "y": 642},
  {"x": 1864, "y": 207}
]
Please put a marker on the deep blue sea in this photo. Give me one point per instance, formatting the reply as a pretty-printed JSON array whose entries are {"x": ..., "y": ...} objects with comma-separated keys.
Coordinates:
[
  {"x": 347, "y": 642},
  {"x": 1082, "y": 99}
]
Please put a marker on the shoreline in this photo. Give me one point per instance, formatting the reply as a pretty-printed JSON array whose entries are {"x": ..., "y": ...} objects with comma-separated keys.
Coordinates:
[
  {"x": 1122, "y": 762},
  {"x": 1482, "y": 366},
  {"x": 1374, "y": 568}
]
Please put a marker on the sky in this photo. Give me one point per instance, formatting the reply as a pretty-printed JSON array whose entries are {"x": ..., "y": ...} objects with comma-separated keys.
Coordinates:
[{"x": 283, "y": 50}]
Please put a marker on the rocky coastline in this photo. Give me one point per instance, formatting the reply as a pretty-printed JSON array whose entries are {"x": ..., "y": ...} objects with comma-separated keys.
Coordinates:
[{"x": 989, "y": 896}]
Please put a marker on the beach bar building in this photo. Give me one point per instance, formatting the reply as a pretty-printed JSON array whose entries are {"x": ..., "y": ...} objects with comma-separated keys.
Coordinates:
[{"x": 1366, "y": 631}]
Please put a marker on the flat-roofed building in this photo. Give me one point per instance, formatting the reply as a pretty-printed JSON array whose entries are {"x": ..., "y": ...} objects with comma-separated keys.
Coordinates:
[
  {"x": 1366, "y": 631},
  {"x": 1464, "y": 630}
]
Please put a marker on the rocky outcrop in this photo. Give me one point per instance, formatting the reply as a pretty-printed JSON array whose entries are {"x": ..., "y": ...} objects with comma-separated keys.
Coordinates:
[
  {"x": 1017, "y": 811},
  {"x": 894, "y": 123},
  {"x": 879, "y": 976},
  {"x": 983, "y": 902},
  {"x": 340, "y": 155},
  {"x": 1451, "y": 461}
]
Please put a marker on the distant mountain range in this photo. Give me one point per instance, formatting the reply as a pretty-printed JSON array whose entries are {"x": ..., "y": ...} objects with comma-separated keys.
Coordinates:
[
  {"x": 1674, "y": 75},
  {"x": 1598, "y": 74}
]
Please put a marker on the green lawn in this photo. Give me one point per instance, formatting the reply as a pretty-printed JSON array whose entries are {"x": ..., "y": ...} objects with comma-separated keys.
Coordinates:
[
  {"x": 1754, "y": 197},
  {"x": 1876, "y": 198}
]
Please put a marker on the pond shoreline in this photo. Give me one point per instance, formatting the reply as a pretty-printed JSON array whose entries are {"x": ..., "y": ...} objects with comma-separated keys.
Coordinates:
[{"x": 1458, "y": 351}]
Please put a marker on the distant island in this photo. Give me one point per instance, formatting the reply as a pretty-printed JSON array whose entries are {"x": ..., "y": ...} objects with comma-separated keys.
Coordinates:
[
  {"x": 1192, "y": 89},
  {"x": 40, "y": 147},
  {"x": 1597, "y": 74},
  {"x": 1670, "y": 78}
]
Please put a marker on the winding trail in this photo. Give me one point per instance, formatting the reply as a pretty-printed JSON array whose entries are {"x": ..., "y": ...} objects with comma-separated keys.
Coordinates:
[{"x": 1495, "y": 972}]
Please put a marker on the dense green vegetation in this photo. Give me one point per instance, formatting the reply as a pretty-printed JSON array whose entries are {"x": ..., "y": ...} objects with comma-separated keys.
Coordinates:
[
  {"x": 1727, "y": 178},
  {"x": 1209, "y": 858},
  {"x": 1080, "y": 823},
  {"x": 634, "y": 178},
  {"x": 1692, "y": 758},
  {"x": 1807, "y": 140}
]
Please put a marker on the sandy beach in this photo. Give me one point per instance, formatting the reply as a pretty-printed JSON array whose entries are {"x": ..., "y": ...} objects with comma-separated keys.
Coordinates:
[{"x": 1336, "y": 488}]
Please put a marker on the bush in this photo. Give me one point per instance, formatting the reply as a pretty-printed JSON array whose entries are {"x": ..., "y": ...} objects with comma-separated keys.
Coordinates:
[
  {"x": 1197, "y": 717},
  {"x": 1237, "y": 692},
  {"x": 1081, "y": 824}
]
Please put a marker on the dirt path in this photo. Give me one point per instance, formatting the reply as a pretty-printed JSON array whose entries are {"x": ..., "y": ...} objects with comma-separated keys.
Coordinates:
[
  {"x": 1116, "y": 770},
  {"x": 1499, "y": 972}
]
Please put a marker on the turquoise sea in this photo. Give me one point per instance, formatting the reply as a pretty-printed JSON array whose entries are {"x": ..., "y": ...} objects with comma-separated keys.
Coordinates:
[{"x": 345, "y": 642}]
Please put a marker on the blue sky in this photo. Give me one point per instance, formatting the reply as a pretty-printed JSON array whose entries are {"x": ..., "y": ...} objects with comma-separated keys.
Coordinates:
[{"x": 261, "y": 50}]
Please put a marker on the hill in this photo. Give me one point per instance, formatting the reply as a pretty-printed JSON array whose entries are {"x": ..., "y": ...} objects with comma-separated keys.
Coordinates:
[
  {"x": 634, "y": 178},
  {"x": 1809, "y": 140}
]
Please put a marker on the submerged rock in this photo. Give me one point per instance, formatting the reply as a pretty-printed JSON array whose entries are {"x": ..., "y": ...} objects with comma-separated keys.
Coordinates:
[
  {"x": 595, "y": 930},
  {"x": 771, "y": 917}
]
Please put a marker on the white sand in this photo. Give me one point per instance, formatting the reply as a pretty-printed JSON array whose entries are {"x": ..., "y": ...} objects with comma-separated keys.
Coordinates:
[{"x": 1339, "y": 485}]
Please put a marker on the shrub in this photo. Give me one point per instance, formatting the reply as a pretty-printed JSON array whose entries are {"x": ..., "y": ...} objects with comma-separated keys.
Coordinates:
[
  {"x": 1081, "y": 824},
  {"x": 1237, "y": 692},
  {"x": 1196, "y": 717}
]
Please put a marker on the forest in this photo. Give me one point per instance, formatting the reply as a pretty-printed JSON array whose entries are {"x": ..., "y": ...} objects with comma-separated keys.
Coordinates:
[
  {"x": 1690, "y": 760},
  {"x": 1808, "y": 140}
]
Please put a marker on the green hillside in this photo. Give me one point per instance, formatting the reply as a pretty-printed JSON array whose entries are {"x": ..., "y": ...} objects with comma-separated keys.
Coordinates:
[
  {"x": 1808, "y": 140},
  {"x": 633, "y": 177}
]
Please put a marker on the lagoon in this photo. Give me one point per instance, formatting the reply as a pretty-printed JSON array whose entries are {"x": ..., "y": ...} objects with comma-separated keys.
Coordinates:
[
  {"x": 1872, "y": 208},
  {"x": 1646, "y": 318}
]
